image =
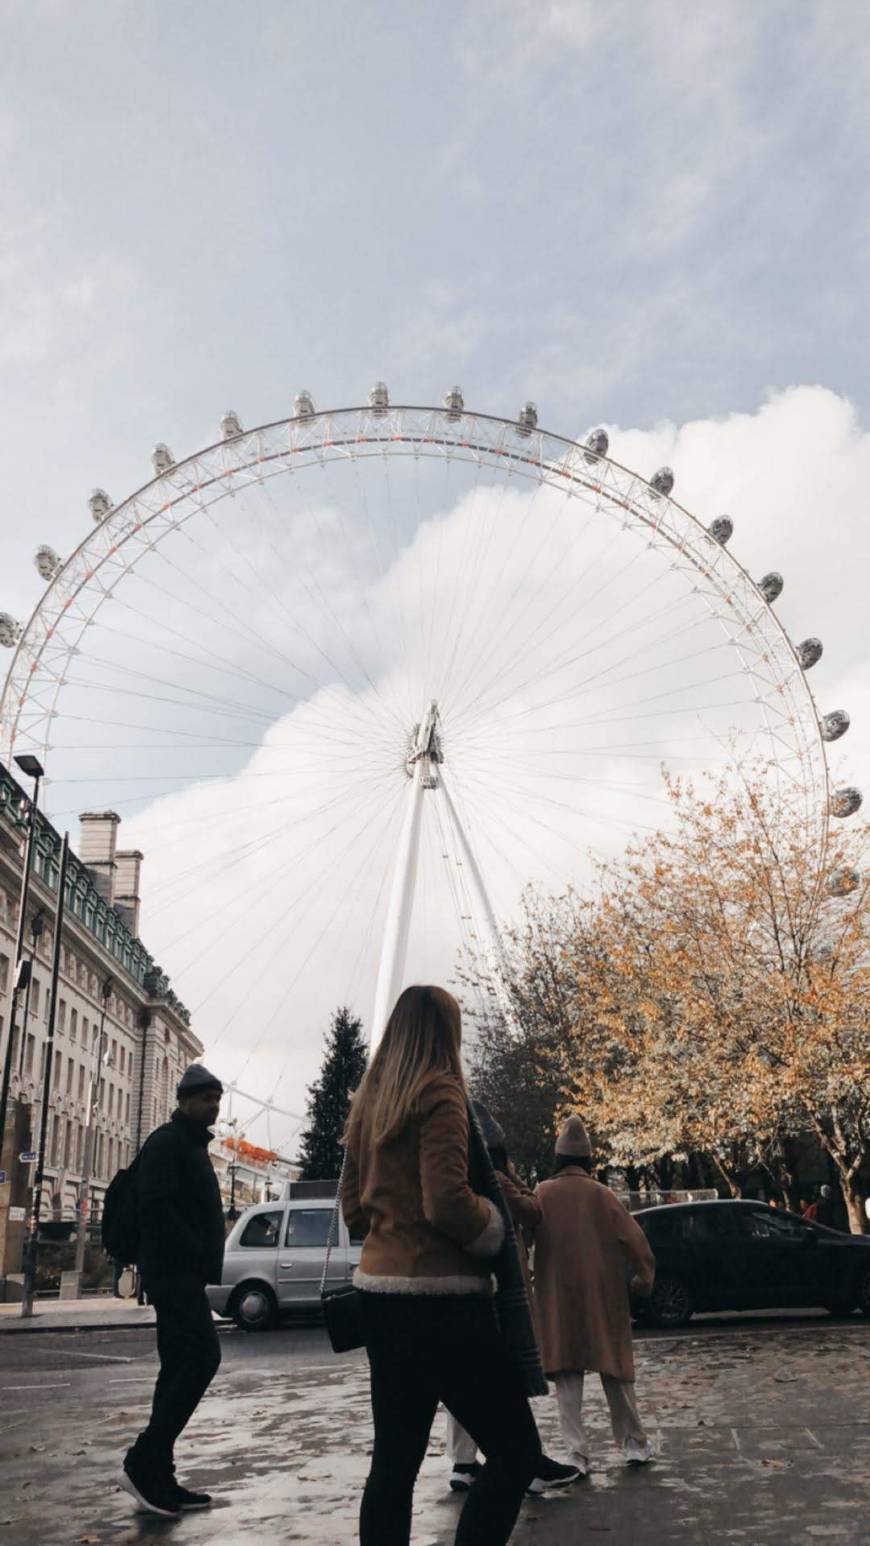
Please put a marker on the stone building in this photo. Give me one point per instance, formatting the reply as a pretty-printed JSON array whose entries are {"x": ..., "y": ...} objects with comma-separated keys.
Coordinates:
[{"x": 108, "y": 977}]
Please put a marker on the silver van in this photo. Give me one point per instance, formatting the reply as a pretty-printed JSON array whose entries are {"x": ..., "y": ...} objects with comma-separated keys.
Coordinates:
[{"x": 273, "y": 1261}]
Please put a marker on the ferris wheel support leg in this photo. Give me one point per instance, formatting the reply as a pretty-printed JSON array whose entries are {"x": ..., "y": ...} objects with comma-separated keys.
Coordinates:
[
  {"x": 398, "y": 924},
  {"x": 496, "y": 950}
]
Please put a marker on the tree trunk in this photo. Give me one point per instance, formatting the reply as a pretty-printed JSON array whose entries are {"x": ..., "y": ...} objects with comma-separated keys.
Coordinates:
[
  {"x": 731, "y": 1184},
  {"x": 855, "y": 1209}
]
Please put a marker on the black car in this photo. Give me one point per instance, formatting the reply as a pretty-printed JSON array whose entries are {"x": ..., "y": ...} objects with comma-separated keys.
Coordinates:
[{"x": 745, "y": 1256}]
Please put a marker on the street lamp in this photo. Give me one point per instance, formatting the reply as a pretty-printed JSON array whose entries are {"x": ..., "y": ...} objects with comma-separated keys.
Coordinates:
[
  {"x": 32, "y": 768},
  {"x": 230, "y": 1139}
]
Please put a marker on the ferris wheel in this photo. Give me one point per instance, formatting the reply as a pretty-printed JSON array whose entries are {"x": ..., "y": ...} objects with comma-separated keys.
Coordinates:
[{"x": 356, "y": 677}]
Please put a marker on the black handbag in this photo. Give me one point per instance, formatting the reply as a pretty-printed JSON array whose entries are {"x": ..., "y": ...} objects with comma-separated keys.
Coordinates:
[
  {"x": 343, "y": 1315},
  {"x": 342, "y": 1306}
]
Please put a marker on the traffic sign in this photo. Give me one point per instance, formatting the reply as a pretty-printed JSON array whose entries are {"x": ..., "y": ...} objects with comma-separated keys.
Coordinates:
[
  {"x": 2, "y": 1177},
  {"x": 28, "y": 1157},
  {"x": 17, "y": 1215}
]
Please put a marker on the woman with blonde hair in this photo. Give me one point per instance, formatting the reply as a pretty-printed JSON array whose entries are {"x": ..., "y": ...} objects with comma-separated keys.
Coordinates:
[{"x": 426, "y": 1279}]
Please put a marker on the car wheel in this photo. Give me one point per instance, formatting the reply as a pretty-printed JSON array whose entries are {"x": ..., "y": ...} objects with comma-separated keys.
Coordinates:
[
  {"x": 864, "y": 1291},
  {"x": 254, "y": 1307},
  {"x": 670, "y": 1303}
]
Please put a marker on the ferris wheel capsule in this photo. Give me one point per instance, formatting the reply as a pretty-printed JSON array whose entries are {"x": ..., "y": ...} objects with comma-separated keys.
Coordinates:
[
  {"x": 379, "y": 398},
  {"x": 846, "y": 801},
  {"x": 48, "y": 563},
  {"x": 100, "y": 505},
  {"x": 527, "y": 419},
  {"x": 662, "y": 481},
  {"x": 835, "y": 724},
  {"x": 722, "y": 529},
  {"x": 771, "y": 585},
  {"x": 809, "y": 652},
  {"x": 162, "y": 459},
  {"x": 231, "y": 426},
  {"x": 842, "y": 882},
  {"x": 597, "y": 444},
  {"x": 303, "y": 405},
  {"x": 454, "y": 403},
  {"x": 10, "y": 631}
]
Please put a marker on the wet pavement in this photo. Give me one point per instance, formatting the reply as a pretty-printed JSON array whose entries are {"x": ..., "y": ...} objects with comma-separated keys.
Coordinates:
[{"x": 763, "y": 1435}]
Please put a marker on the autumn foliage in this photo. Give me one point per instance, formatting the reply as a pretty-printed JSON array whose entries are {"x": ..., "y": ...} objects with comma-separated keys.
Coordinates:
[{"x": 710, "y": 996}]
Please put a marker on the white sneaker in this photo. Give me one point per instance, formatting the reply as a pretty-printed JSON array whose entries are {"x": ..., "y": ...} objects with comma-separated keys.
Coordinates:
[{"x": 637, "y": 1453}]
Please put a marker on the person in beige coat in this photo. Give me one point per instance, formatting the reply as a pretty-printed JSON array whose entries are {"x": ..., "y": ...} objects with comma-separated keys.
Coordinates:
[{"x": 583, "y": 1245}]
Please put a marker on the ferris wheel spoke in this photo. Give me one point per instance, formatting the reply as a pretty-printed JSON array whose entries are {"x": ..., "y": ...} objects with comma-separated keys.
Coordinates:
[
  {"x": 264, "y": 897},
  {"x": 553, "y": 607},
  {"x": 347, "y": 894},
  {"x": 563, "y": 662},
  {"x": 217, "y": 866},
  {"x": 262, "y": 586},
  {"x": 314, "y": 517},
  {"x": 245, "y": 633}
]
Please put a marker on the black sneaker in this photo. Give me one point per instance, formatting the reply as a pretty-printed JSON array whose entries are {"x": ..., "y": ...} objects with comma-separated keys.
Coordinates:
[
  {"x": 551, "y": 1474},
  {"x": 189, "y": 1500},
  {"x": 464, "y": 1475},
  {"x": 151, "y": 1494}
]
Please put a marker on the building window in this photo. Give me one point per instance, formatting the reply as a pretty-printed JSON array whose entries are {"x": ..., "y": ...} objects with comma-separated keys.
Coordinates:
[
  {"x": 28, "y": 1056},
  {"x": 61, "y": 1018},
  {"x": 127, "y": 1110},
  {"x": 73, "y": 1024},
  {"x": 111, "y": 1100},
  {"x": 81, "y": 1081},
  {"x": 34, "y": 997},
  {"x": 70, "y": 1074},
  {"x": 4, "y": 974}
]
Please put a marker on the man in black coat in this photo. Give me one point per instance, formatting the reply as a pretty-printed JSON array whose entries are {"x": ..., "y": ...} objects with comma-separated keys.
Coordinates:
[{"x": 181, "y": 1248}]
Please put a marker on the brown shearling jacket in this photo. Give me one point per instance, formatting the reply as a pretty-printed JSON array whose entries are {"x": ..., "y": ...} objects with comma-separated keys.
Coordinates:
[{"x": 428, "y": 1231}]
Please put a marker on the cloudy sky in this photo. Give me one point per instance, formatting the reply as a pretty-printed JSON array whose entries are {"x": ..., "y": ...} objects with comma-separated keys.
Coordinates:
[{"x": 653, "y": 216}]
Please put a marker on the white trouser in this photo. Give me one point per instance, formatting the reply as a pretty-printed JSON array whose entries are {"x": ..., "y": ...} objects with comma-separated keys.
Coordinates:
[
  {"x": 623, "y": 1413},
  {"x": 461, "y": 1448}
]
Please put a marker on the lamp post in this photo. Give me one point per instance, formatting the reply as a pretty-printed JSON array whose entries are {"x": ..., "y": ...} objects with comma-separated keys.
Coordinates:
[
  {"x": 230, "y": 1140},
  {"x": 21, "y": 983},
  {"x": 93, "y": 1107}
]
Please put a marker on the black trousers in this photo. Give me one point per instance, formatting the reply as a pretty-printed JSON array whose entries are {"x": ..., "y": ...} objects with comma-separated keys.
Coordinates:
[
  {"x": 190, "y": 1356},
  {"x": 430, "y": 1349}
]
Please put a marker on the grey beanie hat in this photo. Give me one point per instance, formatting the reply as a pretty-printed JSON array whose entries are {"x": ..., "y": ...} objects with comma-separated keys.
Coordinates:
[
  {"x": 197, "y": 1078},
  {"x": 573, "y": 1140},
  {"x": 493, "y": 1134}
]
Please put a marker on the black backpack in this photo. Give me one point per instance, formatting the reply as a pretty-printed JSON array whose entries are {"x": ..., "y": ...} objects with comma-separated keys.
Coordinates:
[{"x": 120, "y": 1223}]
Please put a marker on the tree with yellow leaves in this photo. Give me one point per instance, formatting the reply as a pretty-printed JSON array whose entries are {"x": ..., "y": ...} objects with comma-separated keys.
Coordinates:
[{"x": 734, "y": 1007}]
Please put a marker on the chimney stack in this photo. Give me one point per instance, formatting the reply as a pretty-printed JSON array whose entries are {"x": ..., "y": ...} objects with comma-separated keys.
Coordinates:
[
  {"x": 97, "y": 839},
  {"x": 128, "y": 867}
]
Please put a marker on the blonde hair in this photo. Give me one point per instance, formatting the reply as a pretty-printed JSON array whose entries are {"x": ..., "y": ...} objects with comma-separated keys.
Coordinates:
[{"x": 422, "y": 1037}]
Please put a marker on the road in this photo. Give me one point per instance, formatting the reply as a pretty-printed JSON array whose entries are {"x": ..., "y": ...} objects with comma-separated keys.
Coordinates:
[{"x": 763, "y": 1429}]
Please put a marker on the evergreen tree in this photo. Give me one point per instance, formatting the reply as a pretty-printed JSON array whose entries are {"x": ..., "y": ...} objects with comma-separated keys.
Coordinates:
[{"x": 344, "y": 1064}]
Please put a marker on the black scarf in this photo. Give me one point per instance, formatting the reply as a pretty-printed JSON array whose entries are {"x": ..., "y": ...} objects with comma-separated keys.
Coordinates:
[{"x": 511, "y": 1299}]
